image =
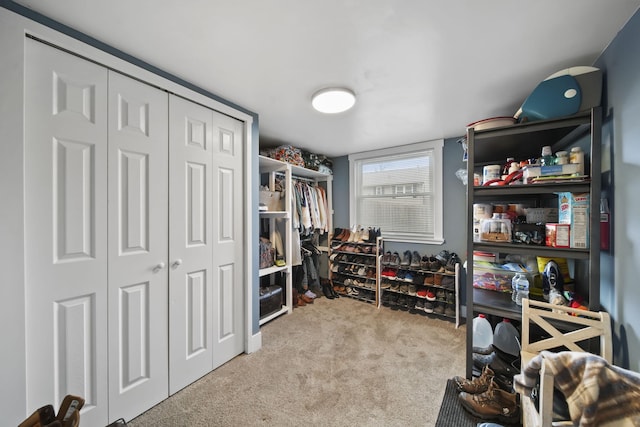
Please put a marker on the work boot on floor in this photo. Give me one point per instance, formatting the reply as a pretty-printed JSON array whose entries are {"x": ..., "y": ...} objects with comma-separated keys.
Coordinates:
[
  {"x": 494, "y": 404},
  {"x": 478, "y": 384}
]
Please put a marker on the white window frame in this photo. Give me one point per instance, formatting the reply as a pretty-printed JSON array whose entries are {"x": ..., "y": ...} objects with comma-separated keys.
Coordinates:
[{"x": 436, "y": 146}]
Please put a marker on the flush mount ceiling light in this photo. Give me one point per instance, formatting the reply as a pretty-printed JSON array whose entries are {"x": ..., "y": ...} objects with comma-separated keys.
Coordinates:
[{"x": 333, "y": 100}]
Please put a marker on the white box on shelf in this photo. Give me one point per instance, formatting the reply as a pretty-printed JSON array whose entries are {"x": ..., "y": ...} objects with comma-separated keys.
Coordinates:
[
  {"x": 536, "y": 171},
  {"x": 574, "y": 210}
]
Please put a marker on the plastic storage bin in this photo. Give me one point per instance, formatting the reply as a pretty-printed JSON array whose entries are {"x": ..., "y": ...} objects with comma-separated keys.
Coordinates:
[
  {"x": 495, "y": 277},
  {"x": 495, "y": 229}
]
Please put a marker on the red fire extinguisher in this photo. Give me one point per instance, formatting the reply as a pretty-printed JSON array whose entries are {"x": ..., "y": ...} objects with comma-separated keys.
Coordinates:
[{"x": 604, "y": 224}]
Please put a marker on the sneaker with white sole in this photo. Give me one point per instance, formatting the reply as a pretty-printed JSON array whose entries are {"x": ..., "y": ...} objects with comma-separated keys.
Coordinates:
[
  {"x": 406, "y": 259},
  {"x": 415, "y": 259},
  {"x": 450, "y": 266}
]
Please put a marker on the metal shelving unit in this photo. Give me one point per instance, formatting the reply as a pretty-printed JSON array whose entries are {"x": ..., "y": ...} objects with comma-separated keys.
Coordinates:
[{"x": 524, "y": 141}]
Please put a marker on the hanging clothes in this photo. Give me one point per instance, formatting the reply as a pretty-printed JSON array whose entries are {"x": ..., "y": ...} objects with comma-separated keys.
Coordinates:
[{"x": 311, "y": 208}]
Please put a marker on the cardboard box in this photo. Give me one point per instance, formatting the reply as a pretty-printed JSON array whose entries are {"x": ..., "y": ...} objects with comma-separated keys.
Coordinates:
[
  {"x": 558, "y": 235},
  {"x": 573, "y": 209}
]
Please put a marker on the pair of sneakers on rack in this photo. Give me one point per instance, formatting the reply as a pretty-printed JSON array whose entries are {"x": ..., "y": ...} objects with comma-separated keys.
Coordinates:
[
  {"x": 448, "y": 260},
  {"x": 357, "y": 234},
  {"x": 410, "y": 259}
]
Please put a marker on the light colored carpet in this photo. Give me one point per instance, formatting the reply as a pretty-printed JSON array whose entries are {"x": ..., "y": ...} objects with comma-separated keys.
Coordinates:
[{"x": 336, "y": 362}]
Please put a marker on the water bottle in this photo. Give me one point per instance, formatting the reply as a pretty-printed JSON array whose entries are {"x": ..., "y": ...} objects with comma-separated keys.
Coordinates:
[
  {"x": 523, "y": 289},
  {"x": 514, "y": 286},
  {"x": 482, "y": 334}
]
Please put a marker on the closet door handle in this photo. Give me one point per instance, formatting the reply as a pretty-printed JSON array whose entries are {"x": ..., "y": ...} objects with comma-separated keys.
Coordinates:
[
  {"x": 176, "y": 263},
  {"x": 159, "y": 267}
]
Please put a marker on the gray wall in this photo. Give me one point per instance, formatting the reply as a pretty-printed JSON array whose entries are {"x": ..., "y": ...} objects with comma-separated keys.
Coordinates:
[
  {"x": 454, "y": 199},
  {"x": 620, "y": 291}
]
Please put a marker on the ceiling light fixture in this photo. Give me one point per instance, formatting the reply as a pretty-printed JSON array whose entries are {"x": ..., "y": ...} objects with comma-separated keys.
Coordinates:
[{"x": 333, "y": 100}]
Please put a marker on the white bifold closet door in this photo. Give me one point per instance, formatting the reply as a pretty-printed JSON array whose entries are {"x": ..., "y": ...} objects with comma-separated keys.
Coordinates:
[
  {"x": 228, "y": 231},
  {"x": 134, "y": 212},
  {"x": 138, "y": 227},
  {"x": 206, "y": 268},
  {"x": 191, "y": 236},
  {"x": 96, "y": 237},
  {"x": 65, "y": 230}
]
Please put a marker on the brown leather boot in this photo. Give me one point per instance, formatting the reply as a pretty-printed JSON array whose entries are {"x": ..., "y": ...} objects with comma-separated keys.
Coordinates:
[
  {"x": 494, "y": 404},
  {"x": 477, "y": 385}
]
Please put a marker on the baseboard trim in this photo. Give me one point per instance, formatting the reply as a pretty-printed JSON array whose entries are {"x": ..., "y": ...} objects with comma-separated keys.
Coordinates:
[{"x": 254, "y": 343}]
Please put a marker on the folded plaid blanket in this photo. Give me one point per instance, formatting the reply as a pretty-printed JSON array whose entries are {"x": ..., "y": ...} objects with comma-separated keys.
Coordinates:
[{"x": 596, "y": 391}]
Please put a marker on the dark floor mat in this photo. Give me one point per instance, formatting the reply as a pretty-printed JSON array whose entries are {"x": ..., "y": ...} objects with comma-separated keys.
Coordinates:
[{"x": 452, "y": 414}]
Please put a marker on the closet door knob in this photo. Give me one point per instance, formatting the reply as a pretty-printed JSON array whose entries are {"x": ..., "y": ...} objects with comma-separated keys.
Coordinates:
[
  {"x": 159, "y": 267},
  {"x": 176, "y": 263}
]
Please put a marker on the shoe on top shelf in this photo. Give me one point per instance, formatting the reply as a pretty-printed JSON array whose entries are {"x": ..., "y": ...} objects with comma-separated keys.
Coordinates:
[
  {"x": 443, "y": 256},
  {"x": 415, "y": 259},
  {"x": 454, "y": 259},
  {"x": 406, "y": 258},
  {"x": 425, "y": 264},
  {"x": 395, "y": 259},
  {"x": 435, "y": 265}
]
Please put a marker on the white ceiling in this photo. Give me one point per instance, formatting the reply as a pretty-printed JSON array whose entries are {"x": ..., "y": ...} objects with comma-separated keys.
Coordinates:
[{"x": 421, "y": 69}]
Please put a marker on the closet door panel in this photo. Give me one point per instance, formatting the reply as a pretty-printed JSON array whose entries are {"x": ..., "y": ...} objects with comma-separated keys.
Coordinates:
[
  {"x": 65, "y": 234},
  {"x": 138, "y": 246},
  {"x": 191, "y": 243},
  {"x": 228, "y": 205}
]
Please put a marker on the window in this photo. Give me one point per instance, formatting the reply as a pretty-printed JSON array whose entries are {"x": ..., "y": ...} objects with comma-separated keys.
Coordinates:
[{"x": 400, "y": 191}]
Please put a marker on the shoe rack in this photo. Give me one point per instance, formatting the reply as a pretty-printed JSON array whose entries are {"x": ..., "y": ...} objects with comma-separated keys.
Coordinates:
[
  {"x": 354, "y": 264},
  {"x": 421, "y": 285}
]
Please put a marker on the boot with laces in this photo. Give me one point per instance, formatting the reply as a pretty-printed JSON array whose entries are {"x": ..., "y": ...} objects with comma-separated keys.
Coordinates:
[
  {"x": 478, "y": 384},
  {"x": 494, "y": 404}
]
